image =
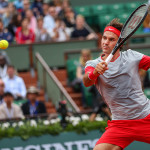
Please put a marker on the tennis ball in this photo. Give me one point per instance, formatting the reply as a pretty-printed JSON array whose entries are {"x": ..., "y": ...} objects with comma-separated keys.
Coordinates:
[{"x": 4, "y": 44}]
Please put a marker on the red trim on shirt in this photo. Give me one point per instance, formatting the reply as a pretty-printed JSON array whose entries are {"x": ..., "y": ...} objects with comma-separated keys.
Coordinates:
[{"x": 145, "y": 63}]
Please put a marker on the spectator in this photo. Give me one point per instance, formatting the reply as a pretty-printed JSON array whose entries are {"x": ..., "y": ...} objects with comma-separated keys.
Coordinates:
[
  {"x": 4, "y": 33},
  {"x": 37, "y": 8},
  {"x": 3, "y": 7},
  {"x": 24, "y": 35},
  {"x": 70, "y": 17},
  {"x": 3, "y": 53},
  {"x": 32, "y": 20},
  {"x": 80, "y": 31},
  {"x": 2, "y": 86},
  {"x": 15, "y": 23},
  {"x": 146, "y": 23},
  {"x": 9, "y": 110},
  {"x": 33, "y": 107},
  {"x": 65, "y": 4},
  {"x": 41, "y": 33},
  {"x": 7, "y": 16},
  {"x": 14, "y": 84},
  {"x": 26, "y": 6},
  {"x": 78, "y": 83},
  {"x": 49, "y": 19},
  {"x": 3, "y": 4},
  {"x": 19, "y": 5},
  {"x": 57, "y": 4},
  {"x": 45, "y": 7},
  {"x": 60, "y": 32},
  {"x": 3, "y": 66}
]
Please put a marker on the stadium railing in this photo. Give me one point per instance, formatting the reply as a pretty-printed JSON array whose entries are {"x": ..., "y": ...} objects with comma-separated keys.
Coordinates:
[{"x": 56, "y": 92}]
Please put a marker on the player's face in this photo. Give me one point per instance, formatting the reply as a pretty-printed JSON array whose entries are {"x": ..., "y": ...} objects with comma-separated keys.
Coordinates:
[{"x": 109, "y": 40}]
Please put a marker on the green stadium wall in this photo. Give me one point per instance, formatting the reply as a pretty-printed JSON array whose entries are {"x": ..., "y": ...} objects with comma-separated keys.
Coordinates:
[{"x": 63, "y": 141}]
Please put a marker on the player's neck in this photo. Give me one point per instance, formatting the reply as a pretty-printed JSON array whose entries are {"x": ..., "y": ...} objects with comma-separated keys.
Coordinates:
[{"x": 117, "y": 54}]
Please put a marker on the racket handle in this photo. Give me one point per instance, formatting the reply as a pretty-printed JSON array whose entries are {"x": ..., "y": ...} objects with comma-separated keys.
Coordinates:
[{"x": 108, "y": 59}]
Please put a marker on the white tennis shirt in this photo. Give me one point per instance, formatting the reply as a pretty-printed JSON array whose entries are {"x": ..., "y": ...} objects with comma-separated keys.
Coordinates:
[{"x": 120, "y": 87}]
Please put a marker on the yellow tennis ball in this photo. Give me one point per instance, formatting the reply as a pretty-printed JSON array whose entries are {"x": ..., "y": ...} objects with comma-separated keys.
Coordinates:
[{"x": 4, "y": 44}]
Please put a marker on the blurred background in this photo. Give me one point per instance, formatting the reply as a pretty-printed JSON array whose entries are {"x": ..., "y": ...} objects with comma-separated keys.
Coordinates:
[{"x": 41, "y": 89}]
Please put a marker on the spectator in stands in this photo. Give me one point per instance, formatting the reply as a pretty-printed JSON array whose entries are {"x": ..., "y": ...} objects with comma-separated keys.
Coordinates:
[
  {"x": 24, "y": 35},
  {"x": 146, "y": 23},
  {"x": 49, "y": 19},
  {"x": 3, "y": 65},
  {"x": 33, "y": 107},
  {"x": 65, "y": 4},
  {"x": 60, "y": 32},
  {"x": 14, "y": 84},
  {"x": 2, "y": 86},
  {"x": 78, "y": 83},
  {"x": 3, "y": 7},
  {"x": 32, "y": 20},
  {"x": 37, "y": 8},
  {"x": 19, "y": 5},
  {"x": 57, "y": 4},
  {"x": 69, "y": 17},
  {"x": 7, "y": 16},
  {"x": 3, "y": 53},
  {"x": 80, "y": 31},
  {"x": 26, "y": 6},
  {"x": 4, "y": 33},
  {"x": 9, "y": 110},
  {"x": 41, "y": 33},
  {"x": 15, "y": 23},
  {"x": 45, "y": 7}
]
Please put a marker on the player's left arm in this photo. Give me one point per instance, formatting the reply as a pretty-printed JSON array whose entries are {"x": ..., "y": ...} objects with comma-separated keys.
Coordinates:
[{"x": 145, "y": 62}]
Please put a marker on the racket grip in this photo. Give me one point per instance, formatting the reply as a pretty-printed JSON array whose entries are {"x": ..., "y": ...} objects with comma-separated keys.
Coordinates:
[{"x": 108, "y": 59}]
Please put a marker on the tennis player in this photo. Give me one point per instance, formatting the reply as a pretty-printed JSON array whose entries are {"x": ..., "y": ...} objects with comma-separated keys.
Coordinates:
[{"x": 120, "y": 86}]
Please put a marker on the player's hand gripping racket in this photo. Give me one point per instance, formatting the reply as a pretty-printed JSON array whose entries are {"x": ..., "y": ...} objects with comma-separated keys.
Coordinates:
[{"x": 130, "y": 26}]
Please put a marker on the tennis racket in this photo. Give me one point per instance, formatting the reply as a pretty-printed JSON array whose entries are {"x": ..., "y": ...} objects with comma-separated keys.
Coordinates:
[{"x": 131, "y": 25}]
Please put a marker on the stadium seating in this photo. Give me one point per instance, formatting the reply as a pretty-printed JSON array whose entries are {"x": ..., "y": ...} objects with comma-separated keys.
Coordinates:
[
  {"x": 123, "y": 16},
  {"x": 71, "y": 69},
  {"x": 101, "y": 14},
  {"x": 117, "y": 8},
  {"x": 130, "y": 7},
  {"x": 83, "y": 10},
  {"x": 104, "y": 20},
  {"x": 99, "y": 9}
]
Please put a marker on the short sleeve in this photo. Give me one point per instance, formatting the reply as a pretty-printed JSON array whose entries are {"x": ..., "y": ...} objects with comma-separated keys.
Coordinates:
[
  {"x": 92, "y": 63},
  {"x": 134, "y": 55}
]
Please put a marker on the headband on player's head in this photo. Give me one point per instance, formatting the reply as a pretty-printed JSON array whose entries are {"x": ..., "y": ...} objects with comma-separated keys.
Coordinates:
[{"x": 112, "y": 29}]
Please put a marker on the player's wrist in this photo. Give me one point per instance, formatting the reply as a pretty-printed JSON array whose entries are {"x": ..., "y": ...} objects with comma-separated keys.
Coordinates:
[{"x": 92, "y": 76}]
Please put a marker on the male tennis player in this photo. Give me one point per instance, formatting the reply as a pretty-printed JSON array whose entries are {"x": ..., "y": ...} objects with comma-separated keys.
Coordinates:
[{"x": 120, "y": 86}]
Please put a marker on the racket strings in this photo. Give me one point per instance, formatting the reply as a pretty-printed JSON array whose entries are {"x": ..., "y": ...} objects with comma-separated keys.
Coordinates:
[{"x": 135, "y": 20}]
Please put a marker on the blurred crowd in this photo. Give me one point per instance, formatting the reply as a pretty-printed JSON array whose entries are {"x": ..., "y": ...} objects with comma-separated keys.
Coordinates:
[
  {"x": 42, "y": 20},
  {"x": 13, "y": 91}
]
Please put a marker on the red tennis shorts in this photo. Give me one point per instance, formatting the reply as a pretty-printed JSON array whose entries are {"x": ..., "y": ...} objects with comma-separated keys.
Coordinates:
[{"x": 124, "y": 132}]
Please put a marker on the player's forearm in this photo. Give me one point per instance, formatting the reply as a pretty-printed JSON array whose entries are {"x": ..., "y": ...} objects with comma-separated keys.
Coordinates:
[{"x": 86, "y": 81}]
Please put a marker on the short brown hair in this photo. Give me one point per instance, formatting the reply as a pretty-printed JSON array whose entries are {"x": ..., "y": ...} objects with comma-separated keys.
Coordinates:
[{"x": 116, "y": 24}]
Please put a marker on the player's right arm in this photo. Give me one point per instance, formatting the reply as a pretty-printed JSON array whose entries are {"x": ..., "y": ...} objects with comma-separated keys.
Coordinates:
[{"x": 92, "y": 73}]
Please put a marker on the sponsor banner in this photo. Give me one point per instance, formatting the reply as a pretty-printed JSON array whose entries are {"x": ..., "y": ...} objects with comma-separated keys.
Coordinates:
[{"x": 63, "y": 141}]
